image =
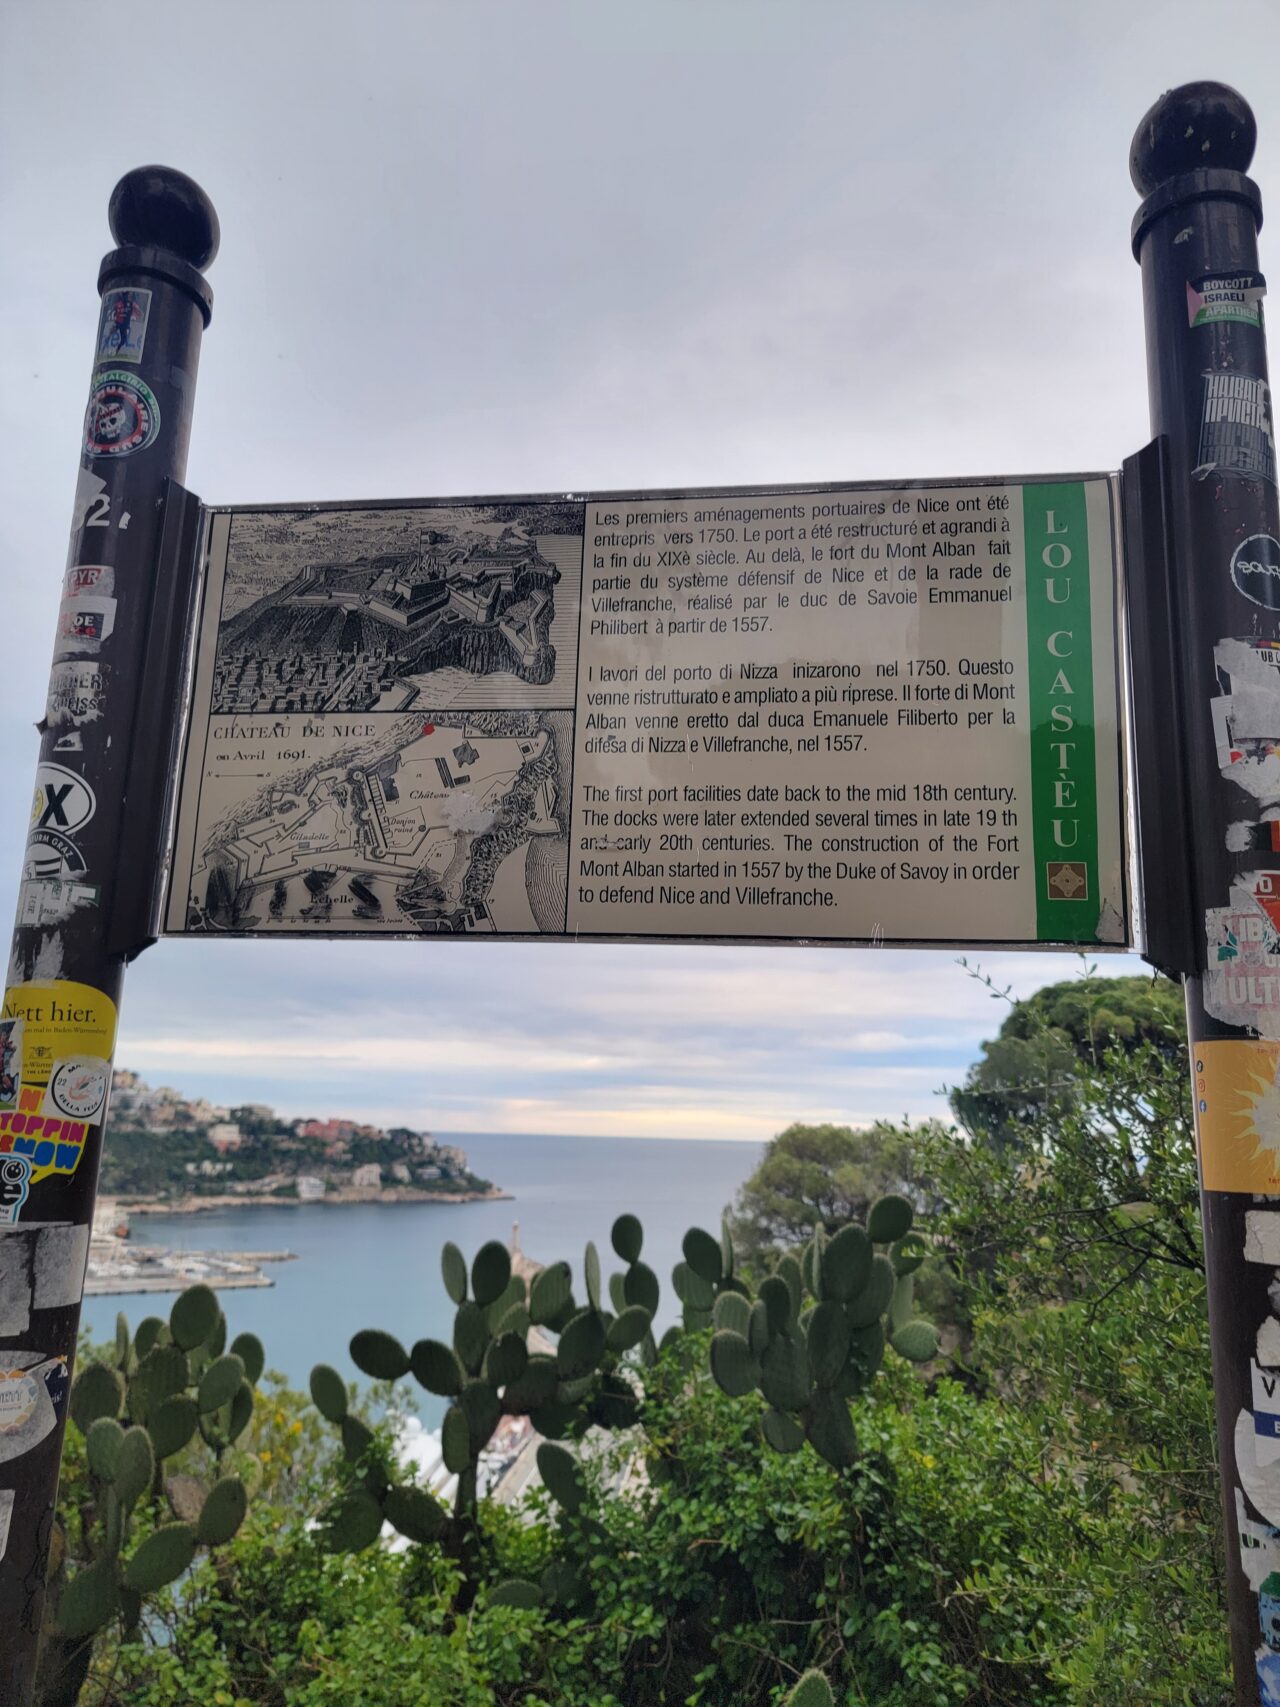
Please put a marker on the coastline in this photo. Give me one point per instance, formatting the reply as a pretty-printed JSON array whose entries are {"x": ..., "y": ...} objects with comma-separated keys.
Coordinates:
[{"x": 193, "y": 1205}]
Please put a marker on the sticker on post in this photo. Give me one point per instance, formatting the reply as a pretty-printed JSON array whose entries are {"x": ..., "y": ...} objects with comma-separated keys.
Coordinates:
[
  {"x": 1242, "y": 976},
  {"x": 88, "y": 578},
  {"x": 1261, "y": 1482},
  {"x": 33, "y": 1396},
  {"x": 76, "y": 693},
  {"x": 10, "y": 1062},
  {"x": 63, "y": 1021},
  {"x": 63, "y": 804},
  {"x": 1236, "y": 1090},
  {"x": 77, "y": 1088},
  {"x": 1262, "y": 1237},
  {"x": 15, "y": 1186},
  {"x": 1266, "y": 1414},
  {"x": 1259, "y": 1545},
  {"x": 122, "y": 328},
  {"x": 1231, "y": 297},
  {"x": 1237, "y": 437},
  {"x": 84, "y": 622},
  {"x": 51, "y": 900},
  {"x": 1246, "y": 733},
  {"x": 123, "y": 415}
]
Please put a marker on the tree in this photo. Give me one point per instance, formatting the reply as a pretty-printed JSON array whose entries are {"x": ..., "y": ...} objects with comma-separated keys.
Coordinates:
[
  {"x": 824, "y": 1176},
  {"x": 1032, "y": 1066}
]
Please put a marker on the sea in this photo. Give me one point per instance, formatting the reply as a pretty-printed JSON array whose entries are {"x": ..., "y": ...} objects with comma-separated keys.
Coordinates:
[{"x": 374, "y": 1265}]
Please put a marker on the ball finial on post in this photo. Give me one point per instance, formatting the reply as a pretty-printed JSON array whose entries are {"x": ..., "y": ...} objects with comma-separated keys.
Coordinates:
[
  {"x": 156, "y": 207},
  {"x": 1193, "y": 126}
]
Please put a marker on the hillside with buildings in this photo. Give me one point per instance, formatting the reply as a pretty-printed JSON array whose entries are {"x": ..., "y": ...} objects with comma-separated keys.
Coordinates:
[{"x": 173, "y": 1151}]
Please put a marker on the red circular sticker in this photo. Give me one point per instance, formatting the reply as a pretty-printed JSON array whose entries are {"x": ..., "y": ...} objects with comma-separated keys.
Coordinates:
[{"x": 122, "y": 416}]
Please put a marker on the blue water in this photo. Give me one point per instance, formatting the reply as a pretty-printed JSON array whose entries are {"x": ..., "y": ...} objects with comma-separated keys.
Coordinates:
[{"x": 378, "y": 1265}]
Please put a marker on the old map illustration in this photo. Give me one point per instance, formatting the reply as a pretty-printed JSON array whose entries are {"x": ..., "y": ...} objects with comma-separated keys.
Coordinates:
[{"x": 433, "y": 823}]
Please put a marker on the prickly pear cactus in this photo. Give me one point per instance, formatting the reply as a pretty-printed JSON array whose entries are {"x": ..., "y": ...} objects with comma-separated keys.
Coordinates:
[
  {"x": 812, "y": 1690},
  {"x": 169, "y": 1382},
  {"x": 809, "y": 1359},
  {"x": 515, "y": 1350}
]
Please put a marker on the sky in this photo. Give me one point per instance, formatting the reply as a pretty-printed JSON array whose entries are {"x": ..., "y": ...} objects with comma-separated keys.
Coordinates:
[{"x": 513, "y": 248}]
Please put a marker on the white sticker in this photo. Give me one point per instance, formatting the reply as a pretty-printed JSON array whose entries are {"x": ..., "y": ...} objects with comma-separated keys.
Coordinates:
[
  {"x": 1266, "y": 1414},
  {"x": 76, "y": 692},
  {"x": 1262, "y": 1237},
  {"x": 1268, "y": 1344},
  {"x": 84, "y": 622},
  {"x": 1242, "y": 980},
  {"x": 1261, "y": 1482},
  {"x": 33, "y": 1390},
  {"x": 1259, "y": 1546},
  {"x": 50, "y": 901},
  {"x": 77, "y": 1088}
]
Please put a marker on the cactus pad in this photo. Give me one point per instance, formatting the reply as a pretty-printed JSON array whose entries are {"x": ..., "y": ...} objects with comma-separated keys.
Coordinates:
[
  {"x": 782, "y": 1432},
  {"x": 435, "y": 1366},
  {"x": 561, "y": 1475},
  {"x": 535, "y": 1386},
  {"x": 89, "y": 1600},
  {"x": 813, "y": 1690},
  {"x": 875, "y": 1297},
  {"x": 455, "y": 1440},
  {"x": 249, "y": 1349},
  {"x": 490, "y": 1272},
  {"x": 102, "y": 1447},
  {"x": 351, "y": 1523},
  {"x": 889, "y": 1218},
  {"x": 172, "y": 1424},
  {"x": 640, "y": 1286},
  {"x": 470, "y": 1337},
  {"x": 733, "y": 1364},
  {"x": 161, "y": 1558},
  {"x": 135, "y": 1466},
  {"x": 453, "y": 1269},
  {"x": 846, "y": 1264},
  {"x": 517, "y": 1592},
  {"x": 916, "y": 1340},
  {"x": 830, "y": 1429},
  {"x": 328, "y": 1393},
  {"x": 97, "y": 1393},
  {"x": 379, "y": 1355},
  {"x": 627, "y": 1329},
  {"x": 222, "y": 1512},
  {"x": 785, "y": 1378},
  {"x": 703, "y": 1255},
  {"x": 415, "y": 1513},
  {"x": 550, "y": 1292},
  {"x": 627, "y": 1238},
  {"x": 591, "y": 1275},
  {"x": 193, "y": 1318},
  {"x": 581, "y": 1345},
  {"x": 828, "y": 1342},
  {"x": 219, "y": 1383},
  {"x": 506, "y": 1360}
]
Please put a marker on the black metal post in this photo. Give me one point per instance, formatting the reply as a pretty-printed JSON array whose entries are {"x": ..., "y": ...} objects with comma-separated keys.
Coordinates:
[
  {"x": 90, "y": 867},
  {"x": 1209, "y": 487}
]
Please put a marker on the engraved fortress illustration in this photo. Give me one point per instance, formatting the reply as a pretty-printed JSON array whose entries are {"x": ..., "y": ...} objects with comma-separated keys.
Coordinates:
[{"x": 353, "y": 635}]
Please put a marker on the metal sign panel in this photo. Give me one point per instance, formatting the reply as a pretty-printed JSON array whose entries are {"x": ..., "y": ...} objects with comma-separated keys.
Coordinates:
[{"x": 841, "y": 714}]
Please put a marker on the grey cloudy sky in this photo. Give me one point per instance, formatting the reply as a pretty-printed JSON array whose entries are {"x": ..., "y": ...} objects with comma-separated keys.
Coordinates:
[{"x": 517, "y": 247}]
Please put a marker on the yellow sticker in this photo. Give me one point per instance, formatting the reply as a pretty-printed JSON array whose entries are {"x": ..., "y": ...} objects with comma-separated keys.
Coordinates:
[
  {"x": 1236, "y": 1090},
  {"x": 60, "y": 1019}
]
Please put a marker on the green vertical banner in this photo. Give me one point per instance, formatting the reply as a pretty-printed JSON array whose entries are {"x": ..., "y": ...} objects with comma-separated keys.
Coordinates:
[{"x": 1064, "y": 788}]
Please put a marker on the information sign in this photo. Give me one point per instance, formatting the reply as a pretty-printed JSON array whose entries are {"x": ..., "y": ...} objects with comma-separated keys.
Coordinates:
[{"x": 849, "y": 714}]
